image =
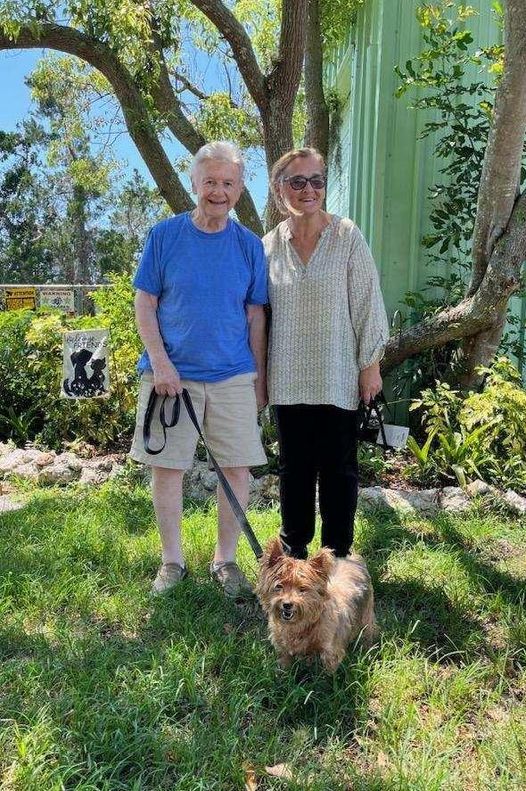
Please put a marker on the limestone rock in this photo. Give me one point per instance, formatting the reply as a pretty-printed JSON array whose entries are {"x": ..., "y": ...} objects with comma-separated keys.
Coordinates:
[
  {"x": 423, "y": 501},
  {"x": 515, "y": 501},
  {"x": 17, "y": 458},
  {"x": 265, "y": 490},
  {"x": 454, "y": 499},
  {"x": 6, "y": 447},
  {"x": 479, "y": 488},
  {"x": 58, "y": 474},
  {"x": 7, "y": 503}
]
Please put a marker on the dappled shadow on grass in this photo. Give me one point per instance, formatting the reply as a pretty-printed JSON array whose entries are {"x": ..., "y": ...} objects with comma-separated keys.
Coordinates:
[
  {"x": 421, "y": 608},
  {"x": 196, "y": 685},
  {"x": 189, "y": 686}
]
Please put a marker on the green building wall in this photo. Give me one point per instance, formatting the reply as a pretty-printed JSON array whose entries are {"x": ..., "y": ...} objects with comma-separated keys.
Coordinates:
[{"x": 384, "y": 170}]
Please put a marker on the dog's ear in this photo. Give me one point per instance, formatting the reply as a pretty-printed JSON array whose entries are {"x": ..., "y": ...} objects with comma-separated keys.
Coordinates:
[
  {"x": 273, "y": 553},
  {"x": 322, "y": 562}
]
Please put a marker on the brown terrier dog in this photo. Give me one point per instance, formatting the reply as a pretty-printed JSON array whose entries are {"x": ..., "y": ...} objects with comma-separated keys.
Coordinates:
[{"x": 316, "y": 606}]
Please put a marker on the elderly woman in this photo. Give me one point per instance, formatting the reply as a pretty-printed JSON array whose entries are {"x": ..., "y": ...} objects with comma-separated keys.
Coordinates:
[
  {"x": 328, "y": 334},
  {"x": 201, "y": 287}
]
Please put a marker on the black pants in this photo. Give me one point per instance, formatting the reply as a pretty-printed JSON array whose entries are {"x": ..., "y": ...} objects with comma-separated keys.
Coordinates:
[{"x": 317, "y": 444}]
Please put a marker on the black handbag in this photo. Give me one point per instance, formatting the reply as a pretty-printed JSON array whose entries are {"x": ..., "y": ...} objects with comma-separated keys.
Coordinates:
[{"x": 371, "y": 423}]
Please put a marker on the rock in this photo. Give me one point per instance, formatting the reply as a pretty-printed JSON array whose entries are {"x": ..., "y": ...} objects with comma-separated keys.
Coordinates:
[
  {"x": 59, "y": 473},
  {"x": 93, "y": 475},
  {"x": 265, "y": 490},
  {"x": 29, "y": 471},
  {"x": 8, "y": 504},
  {"x": 515, "y": 501},
  {"x": 454, "y": 499},
  {"x": 208, "y": 479},
  {"x": 372, "y": 496},
  {"x": 18, "y": 457},
  {"x": 6, "y": 447},
  {"x": 69, "y": 460},
  {"x": 43, "y": 459},
  {"x": 479, "y": 488},
  {"x": 102, "y": 464},
  {"x": 424, "y": 501}
]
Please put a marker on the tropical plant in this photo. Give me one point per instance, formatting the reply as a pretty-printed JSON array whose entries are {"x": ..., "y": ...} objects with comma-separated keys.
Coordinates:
[{"x": 480, "y": 435}]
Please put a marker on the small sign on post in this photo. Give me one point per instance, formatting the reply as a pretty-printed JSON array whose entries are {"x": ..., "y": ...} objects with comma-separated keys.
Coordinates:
[
  {"x": 19, "y": 297},
  {"x": 60, "y": 298},
  {"x": 85, "y": 364}
]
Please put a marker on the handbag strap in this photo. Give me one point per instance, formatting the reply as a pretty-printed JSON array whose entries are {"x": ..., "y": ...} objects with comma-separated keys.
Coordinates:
[
  {"x": 229, "y": 492},
  {"x": 374, "y": 404}
]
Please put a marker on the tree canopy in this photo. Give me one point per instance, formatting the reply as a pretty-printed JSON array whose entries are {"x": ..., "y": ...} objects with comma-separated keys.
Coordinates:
[{"x": 195, "y": 69}]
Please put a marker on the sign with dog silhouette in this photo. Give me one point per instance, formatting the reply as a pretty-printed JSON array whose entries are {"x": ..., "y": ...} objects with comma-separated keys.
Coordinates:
[{"x": 85, "y": 364}]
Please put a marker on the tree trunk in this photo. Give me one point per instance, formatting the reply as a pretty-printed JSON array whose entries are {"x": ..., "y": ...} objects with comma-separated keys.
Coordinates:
[
  {"x": 480, "y": 350},
  {"x": 475, "y": 314},
  {"x": 317, "y": 132},
  {"x": 499, "y": 184},
  {"x": 501, "y": 169},
  {"x": 82, "y": 246}
]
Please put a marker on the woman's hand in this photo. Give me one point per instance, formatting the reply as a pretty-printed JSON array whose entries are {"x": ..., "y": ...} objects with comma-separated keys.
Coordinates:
[
  {"x": 369, "y": 382},
  {"x": 261, "y": 392}
]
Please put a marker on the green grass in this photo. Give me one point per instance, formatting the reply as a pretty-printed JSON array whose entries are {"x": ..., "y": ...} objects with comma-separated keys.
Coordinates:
[{"x": 103, "y": 688}]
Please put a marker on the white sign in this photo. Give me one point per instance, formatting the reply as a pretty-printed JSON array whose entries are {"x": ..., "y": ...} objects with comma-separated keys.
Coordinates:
[
  {"x": 85, "y": 364},
  {"x": 61, "y": 298},
  {"x": 396, "y": 436}
]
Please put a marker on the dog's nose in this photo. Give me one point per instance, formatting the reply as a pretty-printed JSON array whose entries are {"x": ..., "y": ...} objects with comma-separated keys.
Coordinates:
[{"x": 287, "y": 605}]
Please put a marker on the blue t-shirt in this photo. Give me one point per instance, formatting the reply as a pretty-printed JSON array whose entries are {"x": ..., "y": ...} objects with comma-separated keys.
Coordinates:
[{"x": 203, "y": 282}]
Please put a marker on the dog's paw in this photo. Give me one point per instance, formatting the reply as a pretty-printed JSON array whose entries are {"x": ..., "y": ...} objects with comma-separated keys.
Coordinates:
[{"x": 331, "y": 660}]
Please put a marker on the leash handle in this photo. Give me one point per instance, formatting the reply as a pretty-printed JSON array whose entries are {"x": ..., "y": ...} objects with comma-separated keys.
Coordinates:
[
  {"x": 148, "y": 415},
  {"x": 229, "y": 493}
]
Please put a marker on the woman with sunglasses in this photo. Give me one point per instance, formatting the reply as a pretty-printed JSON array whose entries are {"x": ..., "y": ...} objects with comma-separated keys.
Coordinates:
[{"x": 328, "y": 334}]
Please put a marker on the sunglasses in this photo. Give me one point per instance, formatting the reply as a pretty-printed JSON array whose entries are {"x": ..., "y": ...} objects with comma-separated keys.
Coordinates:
[{"x": 317, "y": 182}]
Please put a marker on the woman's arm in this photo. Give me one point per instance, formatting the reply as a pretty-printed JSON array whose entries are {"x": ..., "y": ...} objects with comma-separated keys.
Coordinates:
[{"x": 165, "y": 376}]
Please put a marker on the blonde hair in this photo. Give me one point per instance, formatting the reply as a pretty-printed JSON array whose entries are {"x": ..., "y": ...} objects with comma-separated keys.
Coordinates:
[
  {"x": 222, "y": 151},
  {"x": 279, "y": 168}
]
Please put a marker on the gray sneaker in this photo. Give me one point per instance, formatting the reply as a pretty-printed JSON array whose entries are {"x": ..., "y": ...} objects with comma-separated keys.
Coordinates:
[
  {"x": 168, "y": 576},
  {"x": 234, "y": 583}
]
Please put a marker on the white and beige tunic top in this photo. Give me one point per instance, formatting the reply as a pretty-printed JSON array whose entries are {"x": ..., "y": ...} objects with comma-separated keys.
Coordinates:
[{"x": 328, "y": 316}]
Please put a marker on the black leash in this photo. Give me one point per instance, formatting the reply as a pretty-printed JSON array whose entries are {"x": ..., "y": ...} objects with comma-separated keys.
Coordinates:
[{"x": 176, "y": 409}]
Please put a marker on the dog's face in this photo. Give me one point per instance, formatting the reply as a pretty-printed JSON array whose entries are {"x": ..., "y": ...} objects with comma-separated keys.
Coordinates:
[{"x": 293, "y": 591}]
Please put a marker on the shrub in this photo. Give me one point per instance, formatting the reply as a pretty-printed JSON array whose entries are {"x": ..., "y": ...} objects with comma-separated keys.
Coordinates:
[
  {"x": 31, "y": 372},
  {"x": 481, "y": 435}
]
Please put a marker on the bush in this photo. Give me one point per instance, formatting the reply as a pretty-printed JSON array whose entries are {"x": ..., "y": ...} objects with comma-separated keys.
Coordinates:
[
  {"x": 481, "y": 435},
  {"x": 31, "y": 373}
]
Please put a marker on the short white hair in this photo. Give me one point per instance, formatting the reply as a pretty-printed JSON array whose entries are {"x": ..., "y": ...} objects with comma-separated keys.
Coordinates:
[{"x": 222, "y": 151}]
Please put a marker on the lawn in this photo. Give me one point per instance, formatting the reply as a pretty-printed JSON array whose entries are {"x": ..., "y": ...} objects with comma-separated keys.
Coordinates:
[{"x": 103, "y": 688}]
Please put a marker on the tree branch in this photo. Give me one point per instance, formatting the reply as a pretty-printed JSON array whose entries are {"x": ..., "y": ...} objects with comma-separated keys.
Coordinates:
[
  {"x": 234, "y": 32},
  {"x": 475, "y": 313},
  {"x": 168, "y": 103},
  {"x": 502, "y": 159},
  {"x": 189, "y": 86},
  {"x": 98, "y": 55}
]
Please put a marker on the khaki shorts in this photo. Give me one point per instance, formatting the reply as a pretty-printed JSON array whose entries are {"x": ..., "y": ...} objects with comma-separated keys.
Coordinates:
[{"x": 227, "y": 414}]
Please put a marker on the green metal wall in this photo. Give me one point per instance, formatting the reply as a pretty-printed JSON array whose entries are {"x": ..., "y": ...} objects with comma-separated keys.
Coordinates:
[{"x": 385, "y": 171}]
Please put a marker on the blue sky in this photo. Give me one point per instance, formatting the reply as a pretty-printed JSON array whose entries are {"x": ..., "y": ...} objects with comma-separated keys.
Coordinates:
[{"x": 15, "y": 104}]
